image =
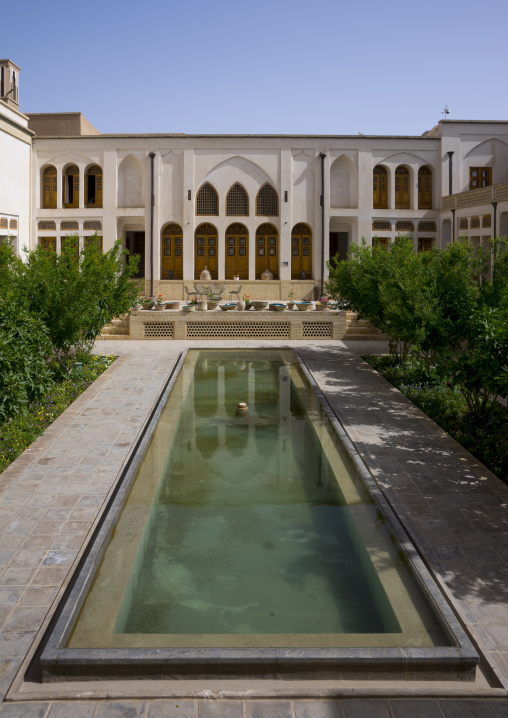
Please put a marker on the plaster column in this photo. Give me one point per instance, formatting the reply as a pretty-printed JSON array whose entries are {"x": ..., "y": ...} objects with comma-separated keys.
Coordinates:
[
  {"x": 391, "y": 197},
  {"x": 221, "y": 225},
  {"x": 81, "y": 202},
  {"x": 109, "y": 194},
  {"x": 414, "y": 188},
  {"x": 188, "y": 215},
  {"x": 286, "y": 221},
  {"x": 252, "y": 226},
  {"x": 59, "y": 187}
]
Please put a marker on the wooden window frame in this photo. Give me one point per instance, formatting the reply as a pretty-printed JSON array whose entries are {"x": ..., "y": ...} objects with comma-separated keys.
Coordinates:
[
  {"x": 484, "y": 174},
  {"x": 259, "y": 199}
]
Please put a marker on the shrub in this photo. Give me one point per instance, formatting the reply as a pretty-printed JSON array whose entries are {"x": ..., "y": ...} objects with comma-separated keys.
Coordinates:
[{"x": 24, "y": 348}]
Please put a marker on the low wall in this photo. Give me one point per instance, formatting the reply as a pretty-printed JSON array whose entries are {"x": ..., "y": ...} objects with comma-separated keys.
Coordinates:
[
  {"x": 216, "y": 324},
  {"x": 272, "y": 289}
]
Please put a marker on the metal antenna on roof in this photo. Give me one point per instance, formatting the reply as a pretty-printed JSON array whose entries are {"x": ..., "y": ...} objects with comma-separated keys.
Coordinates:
[{"x": 445, "y": 112}]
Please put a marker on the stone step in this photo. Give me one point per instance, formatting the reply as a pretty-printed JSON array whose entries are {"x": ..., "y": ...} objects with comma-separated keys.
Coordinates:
[
  {"x": 119, "y": 322},
  {"x": 365, "y": 337},
  {"x": 112, "y": 337},
  {"x": 108, "y": 329}
]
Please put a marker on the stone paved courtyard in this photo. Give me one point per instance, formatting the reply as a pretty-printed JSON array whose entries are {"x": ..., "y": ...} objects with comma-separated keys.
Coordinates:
[{"x": 453, "y": 508}]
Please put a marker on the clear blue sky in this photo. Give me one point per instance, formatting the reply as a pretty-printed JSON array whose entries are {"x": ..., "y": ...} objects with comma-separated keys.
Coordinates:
[{"x": 270, "y": 66}]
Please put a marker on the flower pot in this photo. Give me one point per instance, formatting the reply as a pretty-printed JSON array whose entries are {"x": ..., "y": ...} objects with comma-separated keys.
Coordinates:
[
  {"x": 267, "y": 275},
  {"x": 278, "y": 307},
  {"x": 189, "y": 307},
  {"x": 259, "y": 305},
  {"x": 160, "y": 307},
  {"x": 291, "y": 305},
  {"x": 147, "y": 305},
  {"x": 173, "y": 305},
  {"x": 202, "y": 306},
  {"x": 304, "y": 306},
  {"x": 240, "y": 306},
  {"x": 212, "y": 304},
  {"x": 322, "y": 308},
  {"x": 227, "y": 307}
]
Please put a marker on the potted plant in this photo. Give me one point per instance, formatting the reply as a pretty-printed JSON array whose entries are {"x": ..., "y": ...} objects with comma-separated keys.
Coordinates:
[
  {"x": 160, "y": 303},
  {"x": 246, "y": 299},
  {"x": 323, "y": 305},
  {"x": 147, "y": 303},
  {"x": 291, "y": 304},
  {"x": 172, "y": 304},
  {"x": 212, "y": 303}
]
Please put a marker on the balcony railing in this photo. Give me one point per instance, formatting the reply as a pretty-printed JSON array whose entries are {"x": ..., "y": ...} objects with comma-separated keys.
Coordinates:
[{"x": 476, "y": 197}]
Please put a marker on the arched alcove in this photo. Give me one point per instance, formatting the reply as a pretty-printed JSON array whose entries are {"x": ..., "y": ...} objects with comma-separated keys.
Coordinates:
[
  {"x": 343, "y": 183},
  {"x": 131, "y": 183}
]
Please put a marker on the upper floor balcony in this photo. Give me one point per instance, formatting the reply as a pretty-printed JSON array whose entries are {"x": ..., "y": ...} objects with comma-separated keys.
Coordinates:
[{"x": 476, "y": 197}]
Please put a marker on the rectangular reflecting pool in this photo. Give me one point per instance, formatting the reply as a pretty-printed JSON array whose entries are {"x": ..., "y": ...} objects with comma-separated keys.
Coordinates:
[{"x": 251, "y": 543}]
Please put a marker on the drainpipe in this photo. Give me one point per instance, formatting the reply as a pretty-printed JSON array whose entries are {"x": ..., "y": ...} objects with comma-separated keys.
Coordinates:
[
  {"x": 322, "y": 155},
  {"x": 152, "y": 205},
  {"x": 453, "y": 225},
  {"x": 494, "y": 204},
  {"x": 450, "y": 172}
]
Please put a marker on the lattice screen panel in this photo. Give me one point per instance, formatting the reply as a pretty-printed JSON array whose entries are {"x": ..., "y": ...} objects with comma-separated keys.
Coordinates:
[
  {"x": 159, "y": 330},
  {"x": 250, "y": 330},
  {"x": 317, "y": 330}
]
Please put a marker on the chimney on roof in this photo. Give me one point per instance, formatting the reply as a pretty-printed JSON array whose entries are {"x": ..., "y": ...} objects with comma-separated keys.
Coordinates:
[{"x": 9, "y": 83}]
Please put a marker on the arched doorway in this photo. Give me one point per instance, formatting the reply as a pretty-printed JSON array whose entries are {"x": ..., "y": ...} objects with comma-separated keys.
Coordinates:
[
  {"x": 71, "y": 186},
  {"x": 237, "y": 251},
  {"x": 49, "y": 180},
  {"x": 301, "y": 251},
  {"x": 425, "y": 188},
  {"x": 380, "y": 188},
  {"x": 267, "y": 250},
  {"x": 206, "y": 246},
  {"x": 402, "y": 193},
  {"x": 172, "y": 251}
]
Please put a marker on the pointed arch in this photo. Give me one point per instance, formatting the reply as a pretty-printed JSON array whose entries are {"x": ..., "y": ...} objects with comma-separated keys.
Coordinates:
[
  {"x": 267, "y": 250},
  {"x": 207, "y": 201},
  {"x": 131, "y": 180},
  {"x": 206, "y": 241},
  {"x": 301, "y": 251},
  {"x": 267, "y": 201},
  {"x": 425, "y": 187},
  {"x": 237, "y": 251},
  {"x": 93, "y": 186},
  {"x": 49, "y": 185},
  {"x": 237, "y": 201},
  {"x": 343, "y": 183},
  {"x": 380, "y": 187},
  {"x": 402, "y": 188},
  {"x": 171, "y": 251},
  {"x": 71, "y": 186}
]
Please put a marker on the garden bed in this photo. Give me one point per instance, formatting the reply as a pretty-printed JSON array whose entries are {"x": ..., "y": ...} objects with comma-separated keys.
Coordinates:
[
  {"x": 17, "y": 434},
  {"x": 486, "y": 438}
]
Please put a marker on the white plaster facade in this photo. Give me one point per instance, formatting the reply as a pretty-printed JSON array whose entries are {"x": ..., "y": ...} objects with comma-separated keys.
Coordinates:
[{"x": 291, "y": 164}]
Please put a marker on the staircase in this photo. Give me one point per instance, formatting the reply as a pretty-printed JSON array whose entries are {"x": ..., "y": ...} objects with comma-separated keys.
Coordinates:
[
  {"x": 360, "y": 329},
  {"x": 116, "y": 330}
]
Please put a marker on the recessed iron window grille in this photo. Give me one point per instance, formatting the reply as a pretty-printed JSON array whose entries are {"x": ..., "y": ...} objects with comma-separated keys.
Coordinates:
[
  {"x": 14, "y": 224},
  {"x": 69, "y": 225},
  {"x": 267, "y": 201},
  {"x": 475, "y": 222},
  {"x": 404, "y": 226},
  {"x": 464, "y": 223},
  {"x": 427, "y": 227},
  {"x": 381, "y": 225},
  {"x": 207, "y": 201},
  {"x": 92, "y": 224},
  {"x": 237, "y": 202},
  {"x": 47, "y": 225},
  {"x": 487, "y": 220}
]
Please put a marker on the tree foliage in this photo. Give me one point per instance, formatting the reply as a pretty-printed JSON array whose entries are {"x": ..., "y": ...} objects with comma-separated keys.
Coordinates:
[{"x": 440, "y": 306}]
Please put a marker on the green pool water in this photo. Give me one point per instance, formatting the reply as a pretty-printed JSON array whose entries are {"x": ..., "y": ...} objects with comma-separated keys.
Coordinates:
[{"x": 243, "y": 528}]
